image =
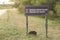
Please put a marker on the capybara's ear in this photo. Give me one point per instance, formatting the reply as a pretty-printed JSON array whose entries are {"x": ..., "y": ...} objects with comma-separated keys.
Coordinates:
[{"x": 32, "y": 33}]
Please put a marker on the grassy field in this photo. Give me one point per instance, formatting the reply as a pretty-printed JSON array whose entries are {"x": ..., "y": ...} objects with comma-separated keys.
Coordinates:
[{"x": 12, "y": 27}]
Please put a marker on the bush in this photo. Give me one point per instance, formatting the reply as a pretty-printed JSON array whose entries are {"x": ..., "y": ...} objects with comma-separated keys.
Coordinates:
[{"x": 57, "y": 8}]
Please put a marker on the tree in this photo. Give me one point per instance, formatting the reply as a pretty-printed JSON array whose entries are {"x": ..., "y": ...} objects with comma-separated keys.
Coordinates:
[{"x": 51, "y": 3}]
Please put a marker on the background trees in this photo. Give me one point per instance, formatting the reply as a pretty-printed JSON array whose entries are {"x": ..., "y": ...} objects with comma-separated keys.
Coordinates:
[{"x": 54, "y": 5}]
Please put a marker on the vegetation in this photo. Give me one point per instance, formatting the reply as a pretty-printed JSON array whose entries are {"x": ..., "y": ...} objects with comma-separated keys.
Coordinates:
[
  {"x": 15, "y": 28},
  {"x": 54, "y": 5},
  {"x": 12, "y": 25}
]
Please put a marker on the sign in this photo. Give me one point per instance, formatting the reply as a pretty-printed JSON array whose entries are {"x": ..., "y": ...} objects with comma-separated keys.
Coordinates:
[{"x": 36, "y": 10}]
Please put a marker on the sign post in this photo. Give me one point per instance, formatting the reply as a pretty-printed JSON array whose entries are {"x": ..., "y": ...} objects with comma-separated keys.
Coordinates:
[
  {"x": 26, "y": 25},
  {"x": 37, "y": 11},
  {"x": 46, "y": 25}
]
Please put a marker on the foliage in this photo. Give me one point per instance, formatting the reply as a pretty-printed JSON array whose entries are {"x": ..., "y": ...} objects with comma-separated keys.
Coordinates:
[
  {"x": 57, "y": 8},
  {"x": 54, "y": 5}
]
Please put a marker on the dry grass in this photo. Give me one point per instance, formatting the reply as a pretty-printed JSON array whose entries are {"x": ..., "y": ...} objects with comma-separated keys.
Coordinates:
[{"x": 35, "y": 24}]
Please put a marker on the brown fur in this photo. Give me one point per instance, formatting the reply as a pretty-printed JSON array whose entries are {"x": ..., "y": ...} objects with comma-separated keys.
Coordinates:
[{"x": 32, "y": 33}]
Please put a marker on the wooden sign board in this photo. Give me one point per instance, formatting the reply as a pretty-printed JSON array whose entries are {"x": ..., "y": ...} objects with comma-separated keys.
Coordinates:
[{"x": 36, "y": 10}]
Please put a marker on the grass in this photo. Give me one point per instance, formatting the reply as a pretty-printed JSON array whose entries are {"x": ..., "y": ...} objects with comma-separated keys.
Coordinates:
[{"x": 12, "y": 27}]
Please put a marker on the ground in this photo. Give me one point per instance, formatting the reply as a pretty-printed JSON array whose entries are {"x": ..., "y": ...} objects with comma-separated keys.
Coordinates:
[{"x": 13, "y": 27}]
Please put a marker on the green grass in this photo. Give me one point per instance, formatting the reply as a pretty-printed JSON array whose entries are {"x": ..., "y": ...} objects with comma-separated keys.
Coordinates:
[
  {"x": 7, "y": 31},
  {"x": 12, "y": 27}
]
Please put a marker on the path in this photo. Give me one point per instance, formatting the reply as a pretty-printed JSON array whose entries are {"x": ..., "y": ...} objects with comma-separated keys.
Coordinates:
[{"x": 2, "y": 11}]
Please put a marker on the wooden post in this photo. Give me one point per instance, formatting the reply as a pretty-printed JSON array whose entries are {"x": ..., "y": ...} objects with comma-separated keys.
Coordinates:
[
  {"x": 46, "y": 25},
  {"x": 26, "y": 25}
]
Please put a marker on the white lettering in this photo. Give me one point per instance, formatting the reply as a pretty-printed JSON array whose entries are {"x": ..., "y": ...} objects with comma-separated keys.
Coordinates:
[{"x": 37, "y": 10}]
